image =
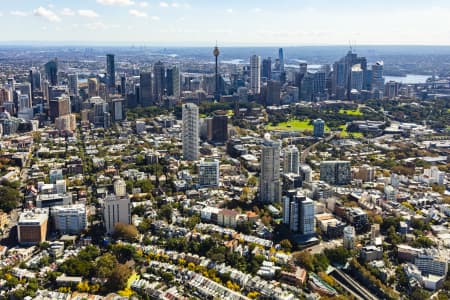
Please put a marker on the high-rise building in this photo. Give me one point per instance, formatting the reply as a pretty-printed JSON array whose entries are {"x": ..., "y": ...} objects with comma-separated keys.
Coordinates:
[
  {"x": 291, "y": 159},
  {"x": 377, "y": 77},
  {"x": 349, "y": 237},
  {"x": 190, "y": 131},
  {"x": 273, "y": 94},
  {"x": 123, "y": 85},
  {"x": 35, "y": 80},
  {"x": 319, "y": 128},
  {"x": 116, "y": 210},
  {"x": 92, "y": 87},
  {"x": 281, "y": 59},
  {"x": 208, "y": 175},
  {"x": 32, "y": 226},
  {"x": 357, "y": 78},
  {"x": 59, "y": 107},
  {"x": 145, "y": 89},
  {"x": 298, "y": 214},
  {"x": 267, "y": 68},
  {"x": 269, "y": 181},
  {"x": 73, "y": 84},
  {"x": 342, "y": 74},
  {"x": 255, "y": 74},
  {"x": 69, "y": 219},
  {"x": 219, "y": 128},
  {"x": 51, "y": 72},
  {"x": 173, "y": 81},
  {"x": 110, "y": 72},
  {"x": 159, "y": 78},
  {"x": 216, "y": 54},
  {"x": 335, "y": 172}
]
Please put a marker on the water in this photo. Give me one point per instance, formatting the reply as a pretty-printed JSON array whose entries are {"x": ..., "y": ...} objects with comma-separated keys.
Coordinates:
[{"x": 408, "y": 79}]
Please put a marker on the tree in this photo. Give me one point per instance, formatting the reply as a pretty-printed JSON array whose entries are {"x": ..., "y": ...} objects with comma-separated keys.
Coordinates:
[
  {"x": 286, "y": 245},
  {"x": 166, "y": 212},
  {"x": 119, "y": 277},
  {"x": 105, "y": 264},
  {"x": 337, "y": 255},
  {"x": 10, "y": 198},
  {"x": 125, "y": 232},
  {"x": 305, "y": 260}
]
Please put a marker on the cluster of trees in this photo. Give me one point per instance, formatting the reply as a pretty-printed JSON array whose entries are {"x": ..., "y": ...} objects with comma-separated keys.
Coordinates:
[
  {"x": 91, "y": 263},
  {"x": 126, "y": 232},
  {"x": 9, "y": 195}
]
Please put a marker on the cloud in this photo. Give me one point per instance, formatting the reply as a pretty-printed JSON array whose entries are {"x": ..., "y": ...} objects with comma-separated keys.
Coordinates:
[
  {"x": 230, "y": 10},
  {"x": 155, "y": 18},
  {"x": 99, "y": 26},
  {"x": 116, "y": 2},
  {"x": 88, "y": 13},
  {"x": 1, "y": 14},
  {"x": 143, "y": 4},
  {"x": 256, "y": 10},
  {"x": 46, "y": 14},
  {"x": 136, "y": 13},
  {"x": 175, "y": 5},
  {"x": 67, "y": 12},
  {"x": 19, "y": 13},
  {"x": 163, "y": 4}
]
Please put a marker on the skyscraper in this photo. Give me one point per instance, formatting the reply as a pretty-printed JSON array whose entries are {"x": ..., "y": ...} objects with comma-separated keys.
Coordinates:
[
  {"x": 110, "y": 72},
  {"x": 159, "y": 78},
  {"x": 357, "y": 77},
  {"x": 342, "y": 73},
  {"x": 190, "y": 132},
  {"x": 216, "y": 53},
  {"x": 273, "y": 92},
  {"x": 281, "y": 59},
  {"x": 319, "y": 128},
  {"x": 377, "y": 77},
  {"x": 116, "y": 210},
  {"x": 123, "y": 85},
  {"x": 220, "y": 128},
  {"x": 51, "y": 71},
  {"x": 291, "y": 158},
  {"x": 92, "y": 87},
  {"x": 267, "y": 68},
  {"x": 35, "y": 80},
  {"x": 269, "y": 181},
  {"x": 335, "y": 172},
  {"x": 255, "y": 74},
  {"x": 173, "y": 81},
  {"x": 145, "y": 89},
  {"x": 298, "y": 214},
  {"x": 73, "y": 84}
]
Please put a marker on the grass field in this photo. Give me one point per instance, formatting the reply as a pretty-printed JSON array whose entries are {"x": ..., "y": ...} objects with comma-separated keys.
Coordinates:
[
  {"x": 344, "y": 133},
  {"x": 292, "y": 125},
  {"x": 352, "y": 112}
]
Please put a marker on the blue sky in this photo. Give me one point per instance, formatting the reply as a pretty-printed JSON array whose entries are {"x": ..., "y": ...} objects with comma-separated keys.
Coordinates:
[{"x": 232, "y": 22}]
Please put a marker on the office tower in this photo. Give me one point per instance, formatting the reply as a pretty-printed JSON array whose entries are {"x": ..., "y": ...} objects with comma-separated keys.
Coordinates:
[
  {"x": 319, "y": 85},
  {"x": 342, "y": 71},
  {"x": 269, "y": 181},
  {"x": 255, "y": 74},
  {"x": 190, "y": 131},
  {"x": 303, "y": 68},
  {"x": 35, "y": 81},
  {"x": 335, "y": 172},
  {"x": 123, "y": 85},
  {"x": 349, "y": 237},
  {"x": 24, "y": 102},
  {"x": 159, "y": 78},
  {"x": 298, "y": 214},
  {"x": 391, "y": 89},
  {"x": 51, "y": 71},
  {"x": 145, "y": 88},
  {"x": 377, "y": 76},
  {"x": 219, "y": 130},
  {"x": 291, "y": 158},
  {"x": 118, "y": 109},
  {"x": 73, "y": 84},
  {"x": 281, "y": 59},
  {"x": 273, "y": 94},
  {"x": 92, "y": 87},
  {"x": 110, "y": 72},
  {"x": 216, "y": 53},
  {"x": 24, "y": 89},
  {"x": 208, "y": 175},
  {"x": 59, "y": 107},
  {"x": 319, "y": 128},
  {"x": 32, "y": 226},
  {"x": 307, "y": 87},
  {"x": 173, "y": 82},
  {"x": 69, "y": 219},
  {"x": 120, "y": 188},
  {"x": 267, "y": 68},
  {"x": 116, "y": 210},
  {"x": 357, "y": 78}
]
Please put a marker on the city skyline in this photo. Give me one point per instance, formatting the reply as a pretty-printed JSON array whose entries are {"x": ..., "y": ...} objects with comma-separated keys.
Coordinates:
[{"x": 183, "y": 22}]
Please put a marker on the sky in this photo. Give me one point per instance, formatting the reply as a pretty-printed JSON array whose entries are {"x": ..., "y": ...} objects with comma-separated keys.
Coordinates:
[{"x": 230, "y": 23}]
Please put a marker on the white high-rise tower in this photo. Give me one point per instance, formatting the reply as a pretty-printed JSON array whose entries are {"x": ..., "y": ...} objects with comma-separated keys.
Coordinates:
[
  {"x": 190, "y": 131},
  {"x": 255, "y": 74},
  {"x": 269, "y": 181},
  {"x": 291, "y": 159}
]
